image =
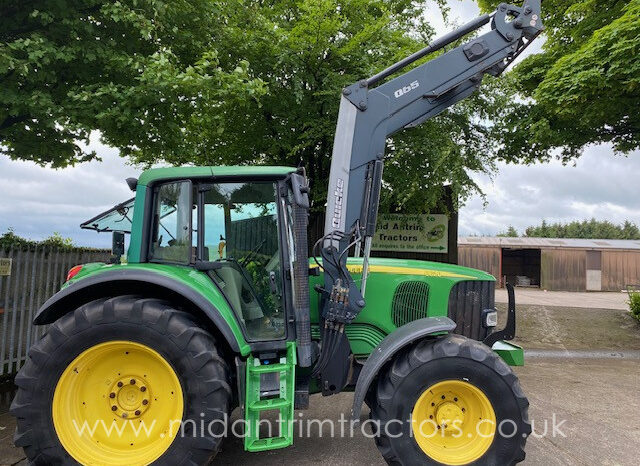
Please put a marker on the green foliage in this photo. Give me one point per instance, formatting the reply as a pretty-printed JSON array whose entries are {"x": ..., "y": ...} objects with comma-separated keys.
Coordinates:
[
  {"x": 585, "y": 86},
  {"x": 587, "y": 229},
  {"x": 305, "y": 52},
  {"x": 56, "y": 241},
  {"x": 634, "y": 303},
  {"x": 510, "y": 233},
  {"x": 10, "y": 239},
  {"x": 143, "y": 72}
]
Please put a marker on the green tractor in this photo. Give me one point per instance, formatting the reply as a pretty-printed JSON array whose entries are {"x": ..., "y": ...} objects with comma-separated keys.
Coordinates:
[{"x": 221, "y": 304}]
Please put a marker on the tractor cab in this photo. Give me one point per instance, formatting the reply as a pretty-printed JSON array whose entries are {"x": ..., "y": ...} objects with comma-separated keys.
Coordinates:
[{"x": 237, "y": 230}]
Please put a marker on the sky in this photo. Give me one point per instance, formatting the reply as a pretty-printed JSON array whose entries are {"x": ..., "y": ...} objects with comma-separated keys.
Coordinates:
[{"x": 38, "y": 201}]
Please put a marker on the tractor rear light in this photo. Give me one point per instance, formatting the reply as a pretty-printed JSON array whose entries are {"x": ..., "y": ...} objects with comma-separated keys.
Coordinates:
[
  {"x": 489, "y": 318},
  {"x": 73, "y": 272}
]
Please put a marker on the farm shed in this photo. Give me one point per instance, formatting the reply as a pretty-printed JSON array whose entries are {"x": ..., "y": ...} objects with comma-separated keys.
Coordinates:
[{"x": 555, "y": 264}]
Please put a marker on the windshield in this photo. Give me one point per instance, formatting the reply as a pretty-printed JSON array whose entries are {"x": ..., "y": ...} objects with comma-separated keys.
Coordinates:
[{"x": 118, "y": 218}]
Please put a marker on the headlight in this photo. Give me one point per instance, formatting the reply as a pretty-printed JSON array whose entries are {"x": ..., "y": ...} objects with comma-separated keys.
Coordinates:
[{"x": 489, "y": 318}]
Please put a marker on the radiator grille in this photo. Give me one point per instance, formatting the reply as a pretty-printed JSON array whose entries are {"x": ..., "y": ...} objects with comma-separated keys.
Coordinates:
[
  {"x": 466, "y": 302},
  {"x": 409, "y": 302}
]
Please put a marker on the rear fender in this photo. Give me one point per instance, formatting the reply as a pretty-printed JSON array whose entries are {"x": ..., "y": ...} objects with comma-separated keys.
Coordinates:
[
  {"x": 146, "y": 283},
  {"x": 389, "y": 347}
]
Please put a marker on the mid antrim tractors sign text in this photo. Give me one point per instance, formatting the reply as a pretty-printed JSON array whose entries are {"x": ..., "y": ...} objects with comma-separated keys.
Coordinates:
[{"x": 415, "y": 233}]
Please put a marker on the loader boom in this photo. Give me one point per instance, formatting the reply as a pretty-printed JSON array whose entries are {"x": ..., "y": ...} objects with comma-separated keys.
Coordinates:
[{"x": 369, "y": 114}]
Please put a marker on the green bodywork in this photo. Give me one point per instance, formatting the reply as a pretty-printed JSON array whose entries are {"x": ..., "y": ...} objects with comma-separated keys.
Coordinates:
[
  {"x": 374, "y": 322},
  {"x": 185, "y": 275},
  {"x": 511, "y": 354},
  {"x": 170, "y": 173},
  {"x": 368, "y": 329}
]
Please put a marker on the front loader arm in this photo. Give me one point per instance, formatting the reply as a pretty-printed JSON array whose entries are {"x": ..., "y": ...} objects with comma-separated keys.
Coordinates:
[{"x": 369, "y": 114}]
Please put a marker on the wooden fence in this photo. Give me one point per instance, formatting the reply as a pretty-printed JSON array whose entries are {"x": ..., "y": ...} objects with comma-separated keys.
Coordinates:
[{"x": 35, "y": 275}]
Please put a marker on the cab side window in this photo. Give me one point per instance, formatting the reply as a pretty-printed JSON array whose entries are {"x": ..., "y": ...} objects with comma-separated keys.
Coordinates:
[{"x": 171, "y": 227}]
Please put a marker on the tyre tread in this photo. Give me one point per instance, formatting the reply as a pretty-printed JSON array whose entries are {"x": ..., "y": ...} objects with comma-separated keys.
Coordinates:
[
  {"x": 200, "y": 353},
  {"x": 428, "y": 350}
]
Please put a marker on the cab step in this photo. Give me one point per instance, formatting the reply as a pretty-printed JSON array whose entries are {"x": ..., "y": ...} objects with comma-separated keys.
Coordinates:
[{"x": 258, "y": 401}]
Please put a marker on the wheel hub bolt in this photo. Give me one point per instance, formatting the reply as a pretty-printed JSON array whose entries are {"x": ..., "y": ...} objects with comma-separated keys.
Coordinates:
[{"x": 125, "y": 397}]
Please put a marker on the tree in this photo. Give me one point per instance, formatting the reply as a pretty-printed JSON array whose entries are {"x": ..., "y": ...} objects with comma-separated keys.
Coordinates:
[
  {"x": 586, "y": 229},
  {"x": 143, "y": 72},
  {"x": 583, "y": 88},
  {"x": 510, "y": 233},
  {"x": 306, "y": 51},
  {"x": 226, "y": 82}
]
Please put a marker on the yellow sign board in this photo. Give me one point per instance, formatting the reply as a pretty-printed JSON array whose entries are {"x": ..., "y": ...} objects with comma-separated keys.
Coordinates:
[
  {"x": 412, "y": 233},
  {"x": 5, "y": 266}
]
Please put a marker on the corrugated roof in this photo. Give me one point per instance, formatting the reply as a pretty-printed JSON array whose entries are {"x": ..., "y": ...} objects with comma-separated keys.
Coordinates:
[{"x": 548, "y": 242}]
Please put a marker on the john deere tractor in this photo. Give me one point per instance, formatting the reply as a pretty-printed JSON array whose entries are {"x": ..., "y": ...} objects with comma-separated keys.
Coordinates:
[{"x": 220, "y": 304}]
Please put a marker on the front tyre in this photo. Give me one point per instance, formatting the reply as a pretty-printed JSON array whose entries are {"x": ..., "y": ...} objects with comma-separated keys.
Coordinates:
[
  {"x": 122, "y": 381},
  {"x": 450, "y": 401}
]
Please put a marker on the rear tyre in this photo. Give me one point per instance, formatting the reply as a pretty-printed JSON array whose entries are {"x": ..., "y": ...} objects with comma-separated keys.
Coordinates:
[
  {"x": 117, "y": 362},
  {"x": 450, "y": 401}
]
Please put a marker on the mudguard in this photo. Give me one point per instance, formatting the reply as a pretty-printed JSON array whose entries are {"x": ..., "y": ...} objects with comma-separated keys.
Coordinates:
[
  {"x": 112, "y": 282},
  {"x": 392, "y": 343}
]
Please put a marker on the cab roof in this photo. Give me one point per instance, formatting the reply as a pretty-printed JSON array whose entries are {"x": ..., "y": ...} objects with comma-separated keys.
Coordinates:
[{"x": 166, "y": 173}]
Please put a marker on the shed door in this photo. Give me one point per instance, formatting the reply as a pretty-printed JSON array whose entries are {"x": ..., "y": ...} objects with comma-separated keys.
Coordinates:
[
  {"x": 594, "y": 270},
  {"x": 563, "y": 270}
]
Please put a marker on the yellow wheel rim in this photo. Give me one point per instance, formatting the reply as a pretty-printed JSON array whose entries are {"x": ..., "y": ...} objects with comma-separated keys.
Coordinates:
[
  {"x": 117, "y": 403},
  {"x": 453, "y": 422}
]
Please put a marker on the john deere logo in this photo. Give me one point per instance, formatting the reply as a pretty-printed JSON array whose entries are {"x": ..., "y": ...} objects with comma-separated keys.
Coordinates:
[{"x": 436, "y": 233}]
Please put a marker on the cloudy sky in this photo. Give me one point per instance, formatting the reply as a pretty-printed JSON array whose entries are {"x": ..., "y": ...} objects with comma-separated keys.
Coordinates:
[{"x": 37, "y": 201}]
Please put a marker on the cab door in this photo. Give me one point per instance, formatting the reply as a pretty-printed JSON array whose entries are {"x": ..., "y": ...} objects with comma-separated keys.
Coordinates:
[{"x": 239, "y": 236}]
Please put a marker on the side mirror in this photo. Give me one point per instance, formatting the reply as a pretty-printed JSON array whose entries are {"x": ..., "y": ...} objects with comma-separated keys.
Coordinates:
[
  {"x": 300, "y": 190},
  {"x": 117, "y": 245}
]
